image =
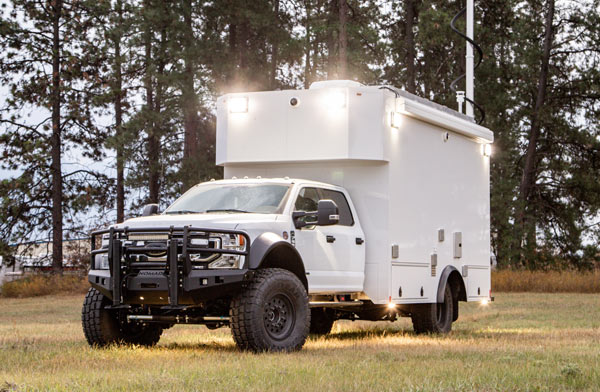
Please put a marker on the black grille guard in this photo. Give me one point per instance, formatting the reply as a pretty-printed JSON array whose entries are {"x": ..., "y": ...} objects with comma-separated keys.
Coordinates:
[{"x": 174, "y": 239}]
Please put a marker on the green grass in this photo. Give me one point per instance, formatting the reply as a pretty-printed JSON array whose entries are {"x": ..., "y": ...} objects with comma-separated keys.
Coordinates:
[{"x": 521, "y": 342}]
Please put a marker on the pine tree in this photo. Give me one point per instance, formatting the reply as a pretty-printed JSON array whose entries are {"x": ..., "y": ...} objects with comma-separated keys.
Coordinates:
[{"x": 50, "y": 70}]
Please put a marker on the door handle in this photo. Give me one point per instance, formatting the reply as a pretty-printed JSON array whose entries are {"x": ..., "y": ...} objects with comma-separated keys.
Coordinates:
[
  {"x": 359, "y": 241},
  {"x": 330, "y": 239}
]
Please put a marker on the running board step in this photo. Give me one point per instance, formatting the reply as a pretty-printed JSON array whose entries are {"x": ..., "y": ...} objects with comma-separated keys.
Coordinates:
[{"x": 334, "y": 304}]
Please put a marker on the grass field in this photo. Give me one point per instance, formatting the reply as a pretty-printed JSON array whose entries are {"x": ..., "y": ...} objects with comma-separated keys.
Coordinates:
[{"x": 520, "y": 342}]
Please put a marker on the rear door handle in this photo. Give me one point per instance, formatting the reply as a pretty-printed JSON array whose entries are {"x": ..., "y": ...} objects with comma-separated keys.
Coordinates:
[{"x": 330, "y": 238}]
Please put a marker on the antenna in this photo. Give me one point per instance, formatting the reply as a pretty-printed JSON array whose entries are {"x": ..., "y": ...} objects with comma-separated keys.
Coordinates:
[
  {"x": 470, "y": 77},
  {"x": 468, "y": 96}
]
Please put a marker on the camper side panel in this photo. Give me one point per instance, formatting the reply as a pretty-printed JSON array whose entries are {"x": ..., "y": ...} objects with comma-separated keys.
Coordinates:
[{"x": 439, "y": 211}]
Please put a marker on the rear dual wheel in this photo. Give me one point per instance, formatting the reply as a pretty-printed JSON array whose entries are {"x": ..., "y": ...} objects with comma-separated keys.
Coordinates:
[{"x": 434, "y": 318}]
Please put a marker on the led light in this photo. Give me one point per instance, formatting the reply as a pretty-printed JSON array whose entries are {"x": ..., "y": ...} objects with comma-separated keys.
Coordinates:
[
  {"x": 395, "y": 119},
  {"x": 238, "y": 105},
  {"x": 484, "y": 302},
  {"x": 199, "y": 241},
  {"x": 336, "y": 99},
  {"x": 391, "y": 305},
  {"x": 486, "y": 150}
]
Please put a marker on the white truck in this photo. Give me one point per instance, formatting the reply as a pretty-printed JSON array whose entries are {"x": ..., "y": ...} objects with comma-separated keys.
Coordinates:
[{"x": 341, "y": 201}]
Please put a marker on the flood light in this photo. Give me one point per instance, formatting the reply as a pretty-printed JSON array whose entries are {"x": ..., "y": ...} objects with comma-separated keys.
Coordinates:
[
  {"x": 395, "y": 119},
  {"x": 486, "y": 150},
  {"x": 336, "y": 99},
  {"x": 238, "y": 105}
]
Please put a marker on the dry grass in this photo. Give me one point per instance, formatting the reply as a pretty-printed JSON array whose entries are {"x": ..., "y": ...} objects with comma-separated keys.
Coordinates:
[
  {"x": 546, "y": 281},
  {"x": 521, "y": 342},
  {"x": 38, "y": 285}
]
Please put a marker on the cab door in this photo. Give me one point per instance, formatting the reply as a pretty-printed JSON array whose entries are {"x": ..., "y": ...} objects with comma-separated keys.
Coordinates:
[{"x": 334, "y": 256}]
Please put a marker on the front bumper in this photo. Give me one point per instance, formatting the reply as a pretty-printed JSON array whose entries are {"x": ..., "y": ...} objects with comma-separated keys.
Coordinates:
[
  {"x": 174, "y": 282},
  {"x": 152, "y": 286}
]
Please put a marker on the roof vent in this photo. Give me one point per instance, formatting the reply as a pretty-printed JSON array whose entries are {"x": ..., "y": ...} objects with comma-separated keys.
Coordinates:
[{"x": 334, "y": 84}]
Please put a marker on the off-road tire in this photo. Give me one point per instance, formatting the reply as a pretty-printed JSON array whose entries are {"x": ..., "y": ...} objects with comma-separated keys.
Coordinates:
[
  {"x": 271, "y": 313},
  {"x": 102, "y": 326},
  {"x": 434, "y": 318},
  {"x": 321, "y": 321}
]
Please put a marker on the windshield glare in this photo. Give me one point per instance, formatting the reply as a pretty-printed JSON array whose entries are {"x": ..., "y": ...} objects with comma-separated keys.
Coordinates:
[{"x": 256, "y": 198}]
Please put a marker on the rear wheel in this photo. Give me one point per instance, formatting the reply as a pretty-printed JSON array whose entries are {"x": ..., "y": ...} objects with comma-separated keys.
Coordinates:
[
  {"x": 103, "y": 326},
  {"x": 434, "y": 318},
  {"x": 272, "y": 313},
  {"x": 321, "y": 321}
]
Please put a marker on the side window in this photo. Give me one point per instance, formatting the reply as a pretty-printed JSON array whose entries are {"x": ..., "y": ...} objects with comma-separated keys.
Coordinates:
[
  {"x": 308, "y": 200},
  {"x": 346, "y": 218}
]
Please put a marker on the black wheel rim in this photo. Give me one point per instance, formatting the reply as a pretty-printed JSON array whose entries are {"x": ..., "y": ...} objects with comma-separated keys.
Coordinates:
[{"x": 279, "y": 316}]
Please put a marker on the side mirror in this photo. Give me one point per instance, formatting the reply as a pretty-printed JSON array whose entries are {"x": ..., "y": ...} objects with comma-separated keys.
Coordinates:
[
  {"x": 327, "y": 213},
  {"x": 150, "y": 209}
]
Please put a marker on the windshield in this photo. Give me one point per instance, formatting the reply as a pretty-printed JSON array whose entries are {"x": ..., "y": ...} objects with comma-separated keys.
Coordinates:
[{"x": 207, "y": 198}]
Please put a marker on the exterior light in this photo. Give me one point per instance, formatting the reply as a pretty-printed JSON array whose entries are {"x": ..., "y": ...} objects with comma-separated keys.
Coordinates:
[
  {"x": 395, "y": 120},
  {"x": 238, "y": 105},
  {"x": 486, "y": 150},
  {"x": 484, "y": 302},
  {"x": 336, "y": 99},
  {"x": 391, "y": 306}
]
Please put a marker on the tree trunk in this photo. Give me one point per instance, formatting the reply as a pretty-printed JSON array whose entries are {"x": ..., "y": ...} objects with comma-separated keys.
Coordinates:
[
  {"x": 152, "y": 141},
  {"x": 119, "y": 115},
  {"x": 343, "y": 40},
  {"x": 410, "y": 46},
  {"x": 55, "y": 145},
  {"x": 307, "y": 72},
  {"x": 275, "y": 48},
  {"x": 332, "y": 19},
  {"x": 529, "y": 169},
  {"x": 189, "y": 104}
]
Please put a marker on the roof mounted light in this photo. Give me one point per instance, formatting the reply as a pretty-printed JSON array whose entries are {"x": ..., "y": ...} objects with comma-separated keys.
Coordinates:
[
  {"x": 238, "y": 105},
  {"x": 486, "y": 150},
  {"x": 336, "y": 99}
]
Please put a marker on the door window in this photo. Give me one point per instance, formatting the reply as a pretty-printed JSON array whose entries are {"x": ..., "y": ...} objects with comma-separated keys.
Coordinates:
[
  {"x": 346, "y": 218},
  {"x": 308, "y": 201}
]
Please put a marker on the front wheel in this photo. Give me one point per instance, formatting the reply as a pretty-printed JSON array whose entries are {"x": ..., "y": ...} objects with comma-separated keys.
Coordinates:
[
  {"x": 103, "y": 326},
  {"x": 272, "y": 313},
  {"x": 434, "y": 318}
]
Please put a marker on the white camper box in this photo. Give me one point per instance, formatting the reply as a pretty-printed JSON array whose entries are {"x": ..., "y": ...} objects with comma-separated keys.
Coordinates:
[{"x": 417, "y": 173}]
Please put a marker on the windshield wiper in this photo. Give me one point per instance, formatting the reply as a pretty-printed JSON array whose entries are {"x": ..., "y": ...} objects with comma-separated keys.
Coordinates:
[
  {"x": 228, "y": 210},
  {"x": 182, "y": 212}
]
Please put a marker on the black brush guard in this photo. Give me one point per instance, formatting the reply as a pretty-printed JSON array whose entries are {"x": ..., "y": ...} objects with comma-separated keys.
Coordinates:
[{"x": 178, "y": 270}]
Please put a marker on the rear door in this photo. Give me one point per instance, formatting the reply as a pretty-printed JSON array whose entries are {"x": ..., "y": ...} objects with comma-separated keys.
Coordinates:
[{"x": 334, "y": 256}]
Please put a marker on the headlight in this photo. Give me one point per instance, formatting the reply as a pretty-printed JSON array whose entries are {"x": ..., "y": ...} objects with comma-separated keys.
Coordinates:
[
  {"x": 101, "y": 262},
  {"x": 230, "y": 242}
]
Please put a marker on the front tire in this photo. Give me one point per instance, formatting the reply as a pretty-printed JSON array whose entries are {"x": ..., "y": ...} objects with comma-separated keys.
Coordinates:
[
  {"x": 103, "y": 326},
  {"x": 434, "y": 318},
  {"x": 272, "y": 313}
]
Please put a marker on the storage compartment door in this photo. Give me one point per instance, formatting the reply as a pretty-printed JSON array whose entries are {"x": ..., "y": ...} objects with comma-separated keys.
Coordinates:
[
  {"x": 408, "y": 281},
  {"x": 478, "y": 282}
]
